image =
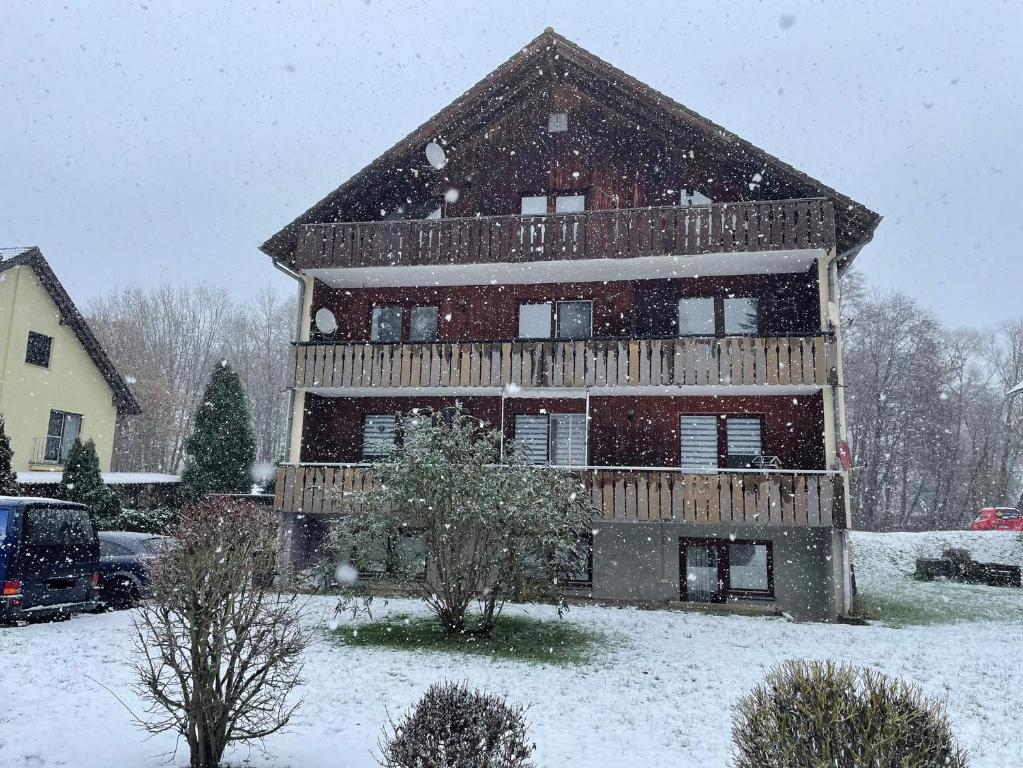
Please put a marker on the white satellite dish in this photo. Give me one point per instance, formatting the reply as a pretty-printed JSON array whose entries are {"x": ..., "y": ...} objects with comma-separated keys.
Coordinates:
[
  {"x": 451, "y": 196},
  {"x": 435, "y": 155},
  {"x": 326, "y": 323}
]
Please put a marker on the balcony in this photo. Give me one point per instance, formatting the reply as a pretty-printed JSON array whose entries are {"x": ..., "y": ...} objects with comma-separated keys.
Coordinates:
[
  {"x": 735, "y": 361},
  {"x": 781, "y": 225},
  {"x": 803, "y": 499}
]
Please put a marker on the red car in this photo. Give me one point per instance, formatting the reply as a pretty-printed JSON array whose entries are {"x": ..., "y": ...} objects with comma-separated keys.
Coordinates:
[{"x": 998, "y": 519}]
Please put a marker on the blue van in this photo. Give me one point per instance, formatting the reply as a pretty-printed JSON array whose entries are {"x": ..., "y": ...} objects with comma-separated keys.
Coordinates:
[{"x": 49, "y": 559}]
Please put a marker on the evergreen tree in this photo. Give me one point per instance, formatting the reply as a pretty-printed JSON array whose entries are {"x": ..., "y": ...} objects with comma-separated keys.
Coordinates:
[
  {"x": 8, "y": 480},
  {"x": 83, "y": 483},
  {"x": 222, "y": 448}
]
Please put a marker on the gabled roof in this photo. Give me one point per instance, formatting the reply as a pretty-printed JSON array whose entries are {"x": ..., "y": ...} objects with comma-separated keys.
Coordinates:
[
  {"x": 533, "y": 64},
  {"x": 32, "y": 257}
]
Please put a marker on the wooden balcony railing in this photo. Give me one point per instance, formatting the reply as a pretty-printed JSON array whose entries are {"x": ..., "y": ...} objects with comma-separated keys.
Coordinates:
[
  {"x": 726, "y": 498},
  {"x": 599, "y": 234},
  {"x": 737, "y": 360}
]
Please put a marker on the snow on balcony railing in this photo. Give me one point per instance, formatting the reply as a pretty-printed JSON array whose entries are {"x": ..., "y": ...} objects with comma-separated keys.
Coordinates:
[{"x": 596, "y": 234}]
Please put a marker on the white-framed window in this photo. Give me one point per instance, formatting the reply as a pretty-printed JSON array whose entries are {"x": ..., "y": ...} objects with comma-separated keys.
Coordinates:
[
  {"x": 557, "y": 122},
  {"x": 556, "y": 438},
  {"x": 575, "y": 319},
  {"x": 534, "y": 205},
  {"x": 378, "y": 432},
  {"x": 570, "y": 203},
  {"x": 699, "y": 443},
  {"x": 386, "y": 324},
  {"x": 694, "y": 197},
  {"x": 696, "y": 316},
  {"x": 740, "y": 316},
  {"x": 568, "y": 439},
  {"x": 423, "y": 324},
  {"x": 535, "y": 320}
]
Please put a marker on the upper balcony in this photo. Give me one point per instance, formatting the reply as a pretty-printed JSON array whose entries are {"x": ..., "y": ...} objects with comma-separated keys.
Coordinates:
[{"x": 782, "y": 227}]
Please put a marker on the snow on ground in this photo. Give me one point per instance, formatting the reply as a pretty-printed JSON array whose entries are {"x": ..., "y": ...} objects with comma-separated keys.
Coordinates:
[{"x": 660, "y": 695}]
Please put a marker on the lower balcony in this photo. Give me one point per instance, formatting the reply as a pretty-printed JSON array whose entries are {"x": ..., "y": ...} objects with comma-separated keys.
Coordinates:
[{"x": 777, "y": 498}]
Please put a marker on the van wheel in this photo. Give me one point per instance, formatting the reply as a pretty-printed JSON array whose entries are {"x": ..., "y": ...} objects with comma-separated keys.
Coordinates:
[{"x": 120, "y": 594}]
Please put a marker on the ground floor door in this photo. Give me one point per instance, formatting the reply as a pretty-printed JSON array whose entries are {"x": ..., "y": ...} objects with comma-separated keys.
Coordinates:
[
  {"x": 716, "y": 570},
  {"x": 701, "y": 578}
]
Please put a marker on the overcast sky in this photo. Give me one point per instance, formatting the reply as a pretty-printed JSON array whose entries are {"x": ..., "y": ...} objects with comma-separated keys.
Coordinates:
[{"x": 164, "y": 141}]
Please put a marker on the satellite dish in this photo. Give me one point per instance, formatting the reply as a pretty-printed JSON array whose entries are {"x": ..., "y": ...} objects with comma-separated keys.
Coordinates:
[
  {"x": 326, "y": 323},
  {"x": 435, "y": 155},
  {"x": 451, "y": 196}
]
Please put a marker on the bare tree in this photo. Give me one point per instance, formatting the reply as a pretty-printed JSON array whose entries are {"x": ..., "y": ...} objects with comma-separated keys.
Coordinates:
[
  {"x": 218, "y": 648},
  {"x": 933, "y": 435},
  {"x": 165, "y": 341}
]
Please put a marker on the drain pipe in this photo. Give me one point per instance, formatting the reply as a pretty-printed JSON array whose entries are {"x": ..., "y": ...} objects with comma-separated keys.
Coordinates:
[{"x": 298, "y": 336}]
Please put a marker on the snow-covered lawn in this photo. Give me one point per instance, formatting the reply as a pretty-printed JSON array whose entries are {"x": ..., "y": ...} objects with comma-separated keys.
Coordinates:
[{"x": 659, "y": 696}]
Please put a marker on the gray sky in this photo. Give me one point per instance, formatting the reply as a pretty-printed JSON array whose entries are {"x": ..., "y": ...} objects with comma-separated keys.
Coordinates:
[{"x": 163, "y": 141}]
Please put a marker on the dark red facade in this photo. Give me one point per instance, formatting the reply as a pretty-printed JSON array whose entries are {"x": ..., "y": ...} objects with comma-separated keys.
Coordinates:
[
  {"x": 789, "y": 305},
  {"x": 623, "y": 431}
]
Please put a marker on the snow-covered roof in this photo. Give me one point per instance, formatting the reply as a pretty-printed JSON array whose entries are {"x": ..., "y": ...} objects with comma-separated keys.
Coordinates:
[
  {"x": 110, "y": 478},
  {"x": 10, "y": 253}
]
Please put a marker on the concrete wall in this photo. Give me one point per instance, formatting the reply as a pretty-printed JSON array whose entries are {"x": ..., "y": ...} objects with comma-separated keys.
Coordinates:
[
  {"x": 71, "y": 383},
  {"x": 640, "y": 561}
]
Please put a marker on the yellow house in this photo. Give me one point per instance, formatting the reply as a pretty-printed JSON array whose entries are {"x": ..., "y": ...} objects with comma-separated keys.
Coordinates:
[{"x": 56, "y": 382}]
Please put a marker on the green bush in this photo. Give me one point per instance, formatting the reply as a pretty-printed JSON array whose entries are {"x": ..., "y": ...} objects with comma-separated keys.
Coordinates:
[
  {"x": 155, "y": 520},
  {"x": 455, "y": 727},
  {"x": 810, "y": 714}
]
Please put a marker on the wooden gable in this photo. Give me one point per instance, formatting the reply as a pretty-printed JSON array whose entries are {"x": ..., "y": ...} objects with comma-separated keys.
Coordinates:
[{"x": 626, "y": 146}]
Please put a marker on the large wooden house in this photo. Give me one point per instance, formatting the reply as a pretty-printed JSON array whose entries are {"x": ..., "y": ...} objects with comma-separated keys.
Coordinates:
[{"x": 626, "y": 287}]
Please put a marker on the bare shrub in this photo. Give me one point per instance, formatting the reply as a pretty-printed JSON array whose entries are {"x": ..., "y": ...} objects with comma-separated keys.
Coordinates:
[
  {"x": 811, "y": 714},
  {"x": 219, "y": 650},
  {"x": 454, "y": 727}
]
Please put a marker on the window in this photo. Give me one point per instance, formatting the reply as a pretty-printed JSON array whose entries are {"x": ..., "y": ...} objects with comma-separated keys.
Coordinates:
[
  {"x": 535, "y": 321},
  {"x": 386, "y": 324},
  {"x": 744, "y": 441},
  {"x": 56, "y": 527},
  {"x": 377, "y": 435},
  {"x": 558, "y": 439},
  {"x": 531, "y": 431},
  {"x": 557, "y": 122},
  {"x": 575, "y": 319},
  {"x": 694, "y": 197},
  {"x": 38, "y": 350},
  {"x": 570, "y": 204},
  {"x": 580, "y": 568},
  {"x": 568, "y": 439},
  {"x": 62, "y": 431},
  {"x": 110, "y": 549},
  {"x": 699, "y": 437},
  {"x": 534, "y": 205},
  {"x": 716, "y": 570},
  {"x": 423, "y": 324},
  {"x": 716, "y": 316},
  {"x": 696, "y": 317},
  {"x": 740, "y": 316}
]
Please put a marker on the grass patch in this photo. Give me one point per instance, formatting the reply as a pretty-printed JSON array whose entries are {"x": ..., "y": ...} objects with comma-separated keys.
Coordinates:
[
  {"x": 519, "y": 638},
  {"x": 908, "y": 602}
]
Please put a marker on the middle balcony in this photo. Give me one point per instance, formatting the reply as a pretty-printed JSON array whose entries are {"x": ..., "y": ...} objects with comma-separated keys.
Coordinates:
[{"x": 742, "y": 361}]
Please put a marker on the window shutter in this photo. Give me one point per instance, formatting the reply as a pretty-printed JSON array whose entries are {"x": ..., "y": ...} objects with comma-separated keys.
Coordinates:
[
  {"x": 568, "y": 440},
  {"x": 699, "y": 443},
  {"x": 531, "y": 431},
  {"x": 377, "y": 435},
  {"x": 744, "y": 437}
]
